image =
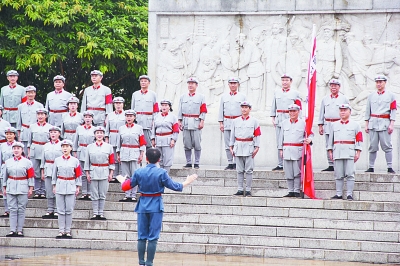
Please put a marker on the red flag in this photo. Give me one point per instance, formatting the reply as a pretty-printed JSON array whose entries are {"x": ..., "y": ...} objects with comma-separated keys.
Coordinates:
[{"x": 307, "y": 174}]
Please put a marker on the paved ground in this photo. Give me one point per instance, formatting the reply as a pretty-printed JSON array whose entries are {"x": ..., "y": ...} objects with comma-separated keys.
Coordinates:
[{"x": 71, "y": 257}]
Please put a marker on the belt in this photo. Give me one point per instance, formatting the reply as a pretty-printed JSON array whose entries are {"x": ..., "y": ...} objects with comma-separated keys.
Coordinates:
[
  {"x": 293, "y": 144},
  {"x": 17, "y": 177},
  {"x": 58, "y": 111},
  {"x": 248, "y": 139},
  {"x": 100, "y": 164},
  {"x": 96, "y": 108},
  {"x": 38, "y": 142},
  {"x": 114, "y": 130},
  {"x": 130, "y": 146},
  {"x": 144, "y": 113},
  {"x": 69, "y": 131},
  {"x": 11, "y": 108},
  {"x": 3, "y": 140},
  {"x": 164, "y": 134},
  {"x": 231, "y": 116},
  {"x": 83, "y": 144},
  {"x": 27, "y": 126},
  {"x": 49, "y": 161},
  {"x": 150, "y": 195},
  {"x": 187, "y": 115},
  {"x": 65, "y": 178},
  {"x": 332, "y": 119},
  {"x": 344, "y": 142},
  {"x": 381, "y": 116},
  {"x": 282, "y": 111}
]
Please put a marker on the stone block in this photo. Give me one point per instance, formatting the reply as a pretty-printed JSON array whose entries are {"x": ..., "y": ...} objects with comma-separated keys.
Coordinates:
[
  {"x": 183, "y": 6},
  {"x": 239, "y": 201},
  {"x": 172, "y": 237},
  {"x": 268, "y": 5},
  {"x": 352, "y": 4},
  {"x": 384, "y": 178},
  {"x": 387, "y": 226},
  {"x": 295, "y": 203},
  {"x": 88, "y": 224},
  {"x": 229, "y": 250},
  {"x": 301, "y": 233},
  {"x": 353, "y": 205},
  {"x": 17, "y": 242},
  {"x": 247, "y": 230},
  {"x": 319, "y": 214},
  {"x": 391, "y": 207},
  {"x": 330, "y": 244},
  {"x": 112, "y": 245},
  {"x": 181, "y": 248},
  {"x": 374, "y": 216},
  {"x": 212, "y": 173},
  {"x": 187, "y": 218},
  {"x": 187, "y": 199},
  {"x": 63, "y": 243},
  {"x": 284, "y": 222},
  {"x": 369, "y": 186},
  {"x": 269, "y": 241},
  {"x": 190, "y": 228},
  {"x": 224, "y": 239},
  {"x": 257, "y": 211},
  {"x": 359, "y": 256},
  {"x": 227, "y": 219},
  {"x": 385, "y": 4},
  {"x": 300, "y": 253},
  {"x": 394, "y": 258},
  {"x": 343, "y": 224},
  {"x": 239, "y": 6},
  {"x": 186, "y": 172},
  {"x": 213, "y": 209},
  {"x": 99, "y": 234},
  {"x": 131, "y": 236},
  {"x": 368, "y": 235},
  {"x": 118, "y": 226},
  {"x": 121, "y": 215},
  {"x": 396, "y": 187},
  {"x": 205, "y": 190},
  {"x": 215, "y": 182},
  {"x": 379, "y": 196}
]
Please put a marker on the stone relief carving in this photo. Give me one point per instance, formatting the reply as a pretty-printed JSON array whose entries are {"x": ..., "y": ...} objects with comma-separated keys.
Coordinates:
[{"x": 260, "y": 49}]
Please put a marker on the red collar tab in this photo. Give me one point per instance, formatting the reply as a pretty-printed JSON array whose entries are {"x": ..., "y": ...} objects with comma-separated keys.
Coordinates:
[{"x": 344, "y": 122}]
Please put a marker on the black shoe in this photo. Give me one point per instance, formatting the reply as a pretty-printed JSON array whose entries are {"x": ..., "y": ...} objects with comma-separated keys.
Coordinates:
[
  {"x": 49, "y": 215},
  {"x": 329, "y": 169},
  {"x": 247, "y": 194},
  {"x": 349, "y": 198},
  {"x": 290, "y": 195},
  {"x": 88, "y": 198},
  {"x": 278, "y": 168},
  {"x": 101, "y": 217},
  {"x": 187, "y": 166},
  {"x": 126, "y": 199},
  {"x": 94, "y": 217},
  {"x": 297, "y": 195},
  {"x": 1, "y": 196},
  {"x": 234, "y": 166},
  {"x": 229, "y": 167},
  {"x": 196, "y": 166},
  {"x": 11, "y": 234},
  {"x": 5, "y": 215},
  {"x": 60, "y": 235},
  {"x": 391, "y": 171},
  {"x": 238, "y": 193},
  {"x": 337, "y": 197},
  {"x": 370, "y": 170},
  {"x": 114, "y": 181}
]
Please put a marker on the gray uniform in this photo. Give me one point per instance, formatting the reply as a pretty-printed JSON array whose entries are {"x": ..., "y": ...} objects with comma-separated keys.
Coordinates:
[
  {"x": 99, "y": 101},
  {"x": 291, "y": 142},
  {"x": 380, "y": 110},
  {"x": 3, "y": 125},
  {"x": 69, "y": 125},
  {"x": 25, "y": 117},
  {"x": 38, "y": 136},
  {"x": 130, "y": 142},
  {"x": 5, "y": 154},
  {"x": 328, "y": 114},
  {"x": 56, "y": 105},
  {"x": 10, "y": 98},
  {"x": 165, "y": 129},
  {"x": 66, "y": 176},
  {"x": 146, "y": 107},
  {"x": 192, "y": 109},
  {"x": 83, "y": 137},
  {"x": 114, "y": 121},
  {"x": 282, "y": 99},
  {"x": 99, "y": 161},
  {"x": 229, "y": 109},
  {"x": 50, "y": 151},
  {"x": 344, "y": 141},
  {"x": 17, "y": 178},
  {"x": 245, "y": 137}
]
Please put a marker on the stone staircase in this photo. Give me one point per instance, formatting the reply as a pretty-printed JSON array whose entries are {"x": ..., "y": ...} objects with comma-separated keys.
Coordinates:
[{"x": 206, "y": 218}]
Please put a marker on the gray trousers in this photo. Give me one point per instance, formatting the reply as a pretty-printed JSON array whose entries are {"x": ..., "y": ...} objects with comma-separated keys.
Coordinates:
[
  {"x": 128, "y": 168},
  {"x": 385, "y": 140},
  {"x": 244, "y": 165},
  {"x": 292, "y": 170},
  {"x": 40, "y": 187},
  {"x": 117, "y": 170},
  {"x": 167, "y": 156},
  {"x": 344, "y": 168},
  {"x": 278, "y": 132},
  {"x": 25, "y": 147},
  {"x": 192, "y": 140},
  {"x": 227, "y": 136},
  {"x": 85, "y": 183},
  {"x": 147, "y": 136},
  {"x": 51, "y": 198},
  {"x": 99, "y": 190},
  {"x": 330, "y": 162},
  {"x": 17, "y": 204},
  {"x": 6, "y": 209},
  {"x": 65, "y": 207}
]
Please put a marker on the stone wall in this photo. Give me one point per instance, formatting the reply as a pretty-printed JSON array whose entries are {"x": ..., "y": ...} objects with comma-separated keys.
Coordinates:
[{"x": 259, "y": 40}]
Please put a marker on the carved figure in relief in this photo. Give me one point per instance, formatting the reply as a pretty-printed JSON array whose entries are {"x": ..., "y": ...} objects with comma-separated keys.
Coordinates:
[
  {"x": 162, "y": 71},
  {"x": 191, "y": 51},
  {"x": 175, "y": 67}
]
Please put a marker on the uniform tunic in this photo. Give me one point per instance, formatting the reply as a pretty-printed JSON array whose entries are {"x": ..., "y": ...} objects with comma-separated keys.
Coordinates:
[
  {"x": 229, "y": 109},
  {"x": 66, "y": 176},
  {"x": 56, "y": 105},
  {"x": 245, "y": 137},
  {"x": 344, "y": 141},
  {"x": 83, "y": 137},
  {"x": 165, "y": 129},
  {"x": 279, "y": 109},
  {"x": 99, "y": 101},
  {"x": 146, "y": 107},
  {"x": 6, "y": 153},
  {"x": 114, "y": 121},
  {"x": 380, "y": 110},
  {"x": 329, "y": 113},
  {"x": 10, "y": 98},
  {"x": 69, "y": 125},
  {"x": 26, "y": 116},
  {"x": 130, "y": 143},
  {"x": 51, "y": 150},
  {"x": 17, "y": 178}
]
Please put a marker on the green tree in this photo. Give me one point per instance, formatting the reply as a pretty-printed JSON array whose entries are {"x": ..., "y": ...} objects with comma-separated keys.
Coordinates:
[{"x": 43, "y": 38}]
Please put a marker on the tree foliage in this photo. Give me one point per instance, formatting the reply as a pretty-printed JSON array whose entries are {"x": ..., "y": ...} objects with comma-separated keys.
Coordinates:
[{"x": 43, "y": 38}]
